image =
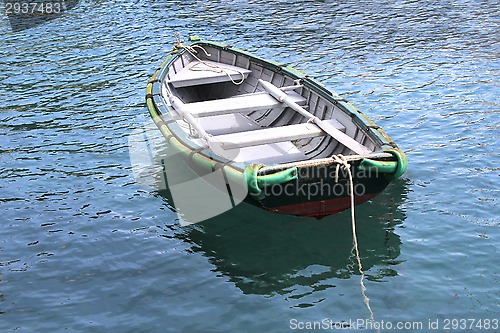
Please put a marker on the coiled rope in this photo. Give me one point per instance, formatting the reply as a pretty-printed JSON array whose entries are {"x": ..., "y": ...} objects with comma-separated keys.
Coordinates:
[
  {"x": 213, "y": 67},
  {"x": 342, "y": 163}
]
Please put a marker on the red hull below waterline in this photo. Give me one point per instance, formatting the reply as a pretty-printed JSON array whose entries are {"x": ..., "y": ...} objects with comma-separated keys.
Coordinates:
[{"x": 321, "y": 208}]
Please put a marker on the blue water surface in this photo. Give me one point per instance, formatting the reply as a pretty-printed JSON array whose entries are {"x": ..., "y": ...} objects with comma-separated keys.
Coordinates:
[{"x": 85, "y": 248}]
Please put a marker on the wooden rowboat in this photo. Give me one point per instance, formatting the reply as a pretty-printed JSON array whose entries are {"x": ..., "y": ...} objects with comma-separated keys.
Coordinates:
[{"x": 290, "y": 141}]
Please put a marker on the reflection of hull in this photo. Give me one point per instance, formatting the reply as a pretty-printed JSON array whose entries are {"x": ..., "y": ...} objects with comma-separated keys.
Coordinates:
[{"x": 265, "y": 253}]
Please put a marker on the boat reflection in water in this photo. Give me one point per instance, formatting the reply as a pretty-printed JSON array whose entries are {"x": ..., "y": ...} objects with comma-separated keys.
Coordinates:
[{"x": 266, "y": 253}]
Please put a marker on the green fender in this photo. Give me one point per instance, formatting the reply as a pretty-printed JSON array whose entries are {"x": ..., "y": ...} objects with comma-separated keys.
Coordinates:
[
  {"x": 392, "y": 169},
  {"x": 255, "y": 183}
]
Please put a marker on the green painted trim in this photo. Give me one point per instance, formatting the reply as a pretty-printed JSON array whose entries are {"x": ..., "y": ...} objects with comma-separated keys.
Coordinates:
[{"x": 149, "y": 89}]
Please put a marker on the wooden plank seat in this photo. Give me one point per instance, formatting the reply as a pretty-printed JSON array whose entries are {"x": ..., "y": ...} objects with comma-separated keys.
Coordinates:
[
  {"x": 227, "y": 123},
  {"x": 274, "y": 134},
  {"x": 273, "y": 153},
  {"x": 197, "y": 73},
  {"x": 239, "y": 103}
]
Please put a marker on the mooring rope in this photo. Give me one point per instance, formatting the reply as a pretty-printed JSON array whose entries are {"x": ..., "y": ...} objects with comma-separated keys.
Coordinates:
[
  {"x": 342, "y": 162},
  {"x": 214, "y": 67}
]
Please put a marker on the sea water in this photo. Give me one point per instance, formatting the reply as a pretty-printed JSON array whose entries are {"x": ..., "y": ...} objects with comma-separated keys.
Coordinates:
[{"x": 84, "y": 247}]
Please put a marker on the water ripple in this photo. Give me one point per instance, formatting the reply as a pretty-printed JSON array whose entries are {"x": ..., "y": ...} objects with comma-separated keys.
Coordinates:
[{"x": 83, "y": 247}]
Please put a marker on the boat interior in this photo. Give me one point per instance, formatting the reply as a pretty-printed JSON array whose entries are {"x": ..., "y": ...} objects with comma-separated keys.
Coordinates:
[{"x": 219, "y": 95}]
